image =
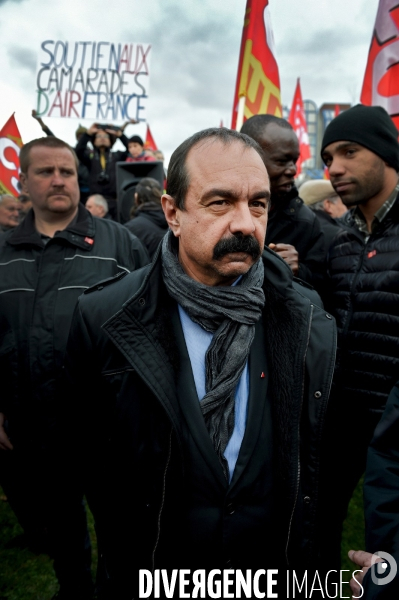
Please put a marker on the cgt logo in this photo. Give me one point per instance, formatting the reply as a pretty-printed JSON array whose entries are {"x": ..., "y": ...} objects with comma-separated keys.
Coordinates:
[{"x": 385, "y": 570}]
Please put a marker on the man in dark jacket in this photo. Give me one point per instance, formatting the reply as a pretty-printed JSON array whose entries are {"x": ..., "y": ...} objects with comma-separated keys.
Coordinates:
[
  {"x": 381, "y": 503},
  {"x": 57, "y": 252},
  {"x": 360, "y": 148},
  {"x": 202, "y": 373},
  {"x": 101, "y": 163},
  {"x": 293, "y": 230},
  {"x": 148, "y": 222}
]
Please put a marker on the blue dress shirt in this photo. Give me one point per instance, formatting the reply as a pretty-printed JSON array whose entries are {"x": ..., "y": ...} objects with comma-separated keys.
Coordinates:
[{"x": 198, "y": 341}]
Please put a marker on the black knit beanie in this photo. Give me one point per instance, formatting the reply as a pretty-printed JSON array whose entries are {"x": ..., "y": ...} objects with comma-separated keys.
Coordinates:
[
  {"x": 369, "y": 126},
  {"x": 136, "y": 139}
]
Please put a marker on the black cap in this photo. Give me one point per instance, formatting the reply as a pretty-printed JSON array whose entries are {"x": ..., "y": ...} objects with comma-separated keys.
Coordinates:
[
  {"x": 369, "y": 126},
  {"x": 137, "y": 139}
]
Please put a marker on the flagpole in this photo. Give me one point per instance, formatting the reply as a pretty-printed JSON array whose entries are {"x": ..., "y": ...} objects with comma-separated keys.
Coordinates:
[{"x": 240, "y": 113}]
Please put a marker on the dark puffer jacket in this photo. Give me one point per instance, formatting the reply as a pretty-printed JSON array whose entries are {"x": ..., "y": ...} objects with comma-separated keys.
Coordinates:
[{"x": 363, "y": 295}]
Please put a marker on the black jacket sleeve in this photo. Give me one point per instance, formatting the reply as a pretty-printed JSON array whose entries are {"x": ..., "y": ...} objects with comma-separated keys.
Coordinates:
[
  {"x": 81, "y": 150},
  {"x": 381, "y": 494}
]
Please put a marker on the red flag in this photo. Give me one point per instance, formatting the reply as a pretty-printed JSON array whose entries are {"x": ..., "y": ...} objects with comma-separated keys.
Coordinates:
[
  {"x": 298, "y": 121},
  {"x": 221, "y": 123},
  {"x": 381, "y": 79},
  {"x": 258, "y": 78},
  {"x": 149, "y": 143},
  {"x": 337, "y": 110},
  {"x": 10, "y": 144}
]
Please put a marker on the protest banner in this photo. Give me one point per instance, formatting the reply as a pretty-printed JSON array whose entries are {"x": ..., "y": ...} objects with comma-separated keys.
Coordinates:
[
  {"x": 10, "y": 144},
  {"x": 100, "y": 81}
]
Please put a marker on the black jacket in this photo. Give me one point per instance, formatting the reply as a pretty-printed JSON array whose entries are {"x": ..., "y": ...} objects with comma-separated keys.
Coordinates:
[
  {"x": 381, "y": 495},
  {"x": 122, "y": 378},
  {"x": 363, "y": 295},
  {"x": 150, "y": 226},
  {"x": 98, "y": 184},
  {"x": 39, "y": 286},
  {"x": 329, "y": 226},
  {"x": 292, "y": 222}
]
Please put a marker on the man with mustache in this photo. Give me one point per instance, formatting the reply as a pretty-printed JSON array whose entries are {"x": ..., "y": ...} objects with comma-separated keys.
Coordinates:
[
  {"x": 201, "y": 373},
  {"x": 46, "y": 262},
  {"x": 293, "y": 230},
  {"x": 360, "y": 148}
]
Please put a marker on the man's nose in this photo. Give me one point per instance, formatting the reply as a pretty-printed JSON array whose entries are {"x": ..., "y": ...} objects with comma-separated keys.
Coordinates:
[
  {"x": 58, "y": 179},
  {"x": 242, "y": 221},
  {"x": 290, "y": 168},
  {"x": 336, "y": 167}
]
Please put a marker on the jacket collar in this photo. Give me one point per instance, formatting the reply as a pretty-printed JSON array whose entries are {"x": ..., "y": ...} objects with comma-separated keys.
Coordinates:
[
  {"x": 81, "y": 233},
  {"x": 287, "y": 202}
]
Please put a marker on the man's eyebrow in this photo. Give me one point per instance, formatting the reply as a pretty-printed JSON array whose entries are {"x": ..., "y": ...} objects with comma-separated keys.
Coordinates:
[
  {"x": 222, "y": 193},
  {"x": 342, "y": 146},
  {"x": 225, "y": 193}
]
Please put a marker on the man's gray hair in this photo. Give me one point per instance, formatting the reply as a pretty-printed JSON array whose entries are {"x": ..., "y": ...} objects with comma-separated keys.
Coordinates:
[
  {"x": 178, "y": 178},
  {"x": 4, "y": 196},
  {"x": 99, "y": 200},
  {"x": 320, "y": 204}
]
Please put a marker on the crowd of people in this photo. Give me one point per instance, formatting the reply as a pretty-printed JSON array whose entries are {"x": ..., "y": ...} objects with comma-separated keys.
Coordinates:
[{"x": 211, "y": 375}]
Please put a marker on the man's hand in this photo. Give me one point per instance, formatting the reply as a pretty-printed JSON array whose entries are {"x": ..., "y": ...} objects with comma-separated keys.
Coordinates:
[
  {"x": 130, "y": 122},
  {"x": 38, "y": 119},
  {"x": 289, "y": 254},
  {"x": 364, "y": 561},
  {"x": 114, "y": 132},
  {"x": 5, "y": 443},
  {"x": 93, "y": 129}
]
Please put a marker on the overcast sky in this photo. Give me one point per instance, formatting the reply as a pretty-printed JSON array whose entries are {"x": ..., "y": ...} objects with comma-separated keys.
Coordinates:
[{"x": 195, "y": 50}]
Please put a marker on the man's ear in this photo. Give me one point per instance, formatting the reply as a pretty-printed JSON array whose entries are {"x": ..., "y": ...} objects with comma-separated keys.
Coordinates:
[
  {"x": 22, "y": 180},
  {"x": 171, "y": 213},
  {"x": 327, "y": 206}
]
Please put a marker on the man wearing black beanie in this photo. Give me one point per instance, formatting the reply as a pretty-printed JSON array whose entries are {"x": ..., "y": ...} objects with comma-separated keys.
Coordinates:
[{"x": 360, "y": 148}]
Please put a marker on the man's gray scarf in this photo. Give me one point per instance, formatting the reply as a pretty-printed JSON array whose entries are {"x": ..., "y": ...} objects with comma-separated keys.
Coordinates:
[{"x": 230, "y": 313}]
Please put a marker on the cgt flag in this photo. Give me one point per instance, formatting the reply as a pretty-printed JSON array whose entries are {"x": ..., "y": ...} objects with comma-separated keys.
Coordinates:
[
  {"x": 258, "y": 81},
  {"x": 149, "y": 143},
  {"x": 381, "y": 79},
  {"x": 10, "y": 144},
  {"x": 297, "y": 120}
]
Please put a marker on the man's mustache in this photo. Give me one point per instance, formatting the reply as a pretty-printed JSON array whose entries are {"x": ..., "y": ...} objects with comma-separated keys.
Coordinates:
[{"x": 237, "y": 243}]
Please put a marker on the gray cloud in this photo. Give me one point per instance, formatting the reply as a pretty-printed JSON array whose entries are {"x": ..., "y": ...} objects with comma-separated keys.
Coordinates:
[
  {"x": 4, "y": 1},
  {"x": 22, "y": 57},
  {"x": 193, "y": 61}
]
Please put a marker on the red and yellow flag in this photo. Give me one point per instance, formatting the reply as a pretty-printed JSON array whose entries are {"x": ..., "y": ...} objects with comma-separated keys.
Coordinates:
[
  {"x": 149, "y": 143},
  {"x": 258, "y": 78},
  {"x": 297, "y": 120},
  {"x": 381, "y": 79},
  {"x": 10, "y": 144}
]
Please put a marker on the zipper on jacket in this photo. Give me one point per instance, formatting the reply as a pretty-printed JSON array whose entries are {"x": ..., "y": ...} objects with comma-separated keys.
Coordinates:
[
  {"x": 162, "y": 502},
  {"x": 299, "y": 424}
]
